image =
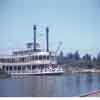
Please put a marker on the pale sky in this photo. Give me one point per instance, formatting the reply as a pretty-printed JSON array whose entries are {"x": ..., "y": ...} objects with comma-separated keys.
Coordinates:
[{"x": 74, "y": 22}]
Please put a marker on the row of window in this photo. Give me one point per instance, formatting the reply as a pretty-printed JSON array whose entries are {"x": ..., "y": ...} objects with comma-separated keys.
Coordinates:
[
  {"x": 24, "y": 67},
  {"x": 23, "y": 59}
]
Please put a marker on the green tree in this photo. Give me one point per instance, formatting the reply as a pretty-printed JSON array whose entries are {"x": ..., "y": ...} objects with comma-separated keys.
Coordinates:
[
  {"x": 98, "y": 57},
  {"x": 87, "y": 57},
  {"x": 77, "y": 55},
  {"x": 69, "y": 56}
]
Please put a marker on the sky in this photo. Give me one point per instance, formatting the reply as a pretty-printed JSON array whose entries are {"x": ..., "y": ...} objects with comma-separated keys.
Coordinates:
[{"x": 75, "y": 23}]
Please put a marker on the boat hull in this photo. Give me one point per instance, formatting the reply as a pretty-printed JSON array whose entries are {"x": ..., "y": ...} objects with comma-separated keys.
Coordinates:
[{"x": 41, "y": 73}]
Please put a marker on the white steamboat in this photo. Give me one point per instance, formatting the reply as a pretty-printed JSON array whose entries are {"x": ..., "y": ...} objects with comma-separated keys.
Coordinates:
[{"x": 32, "y": 61}]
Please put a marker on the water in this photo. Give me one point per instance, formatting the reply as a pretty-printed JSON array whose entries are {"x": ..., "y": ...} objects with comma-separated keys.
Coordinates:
[{"x": 68, "y": 85}]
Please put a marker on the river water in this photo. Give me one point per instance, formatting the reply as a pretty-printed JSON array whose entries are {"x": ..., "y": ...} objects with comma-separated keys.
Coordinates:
[{"x": 68, "y": 85}]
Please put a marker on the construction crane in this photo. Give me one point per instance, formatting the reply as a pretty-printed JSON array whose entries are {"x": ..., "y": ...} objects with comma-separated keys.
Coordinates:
[{"x": 58, "y": 48}]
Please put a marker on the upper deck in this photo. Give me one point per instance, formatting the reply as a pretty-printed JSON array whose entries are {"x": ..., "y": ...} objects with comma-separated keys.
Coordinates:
[
  {"x": 33, "y": 53},
  {"x": 41, "y": 56}
]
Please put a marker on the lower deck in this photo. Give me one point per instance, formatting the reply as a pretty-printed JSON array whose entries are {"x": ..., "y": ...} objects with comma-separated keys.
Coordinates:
[{"x": 32, "y": 69}]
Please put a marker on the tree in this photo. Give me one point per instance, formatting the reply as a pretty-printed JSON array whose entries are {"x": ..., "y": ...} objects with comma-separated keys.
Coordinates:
[
  {"x": 60, "y": 58},
  {"x": 94, "y": 59},
  {"x": 77, "y": 55},
  {"x": 87, "y": 57},
  {"x": 69, "y": 56},
  {"x": 61, "y": 54},
  {"x": 98, "y": 57}
]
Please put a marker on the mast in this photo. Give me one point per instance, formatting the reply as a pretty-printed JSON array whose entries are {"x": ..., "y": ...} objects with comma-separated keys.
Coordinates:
[
  {"x": 47, "y": 39},
  {"x": 34, "y": 30}
]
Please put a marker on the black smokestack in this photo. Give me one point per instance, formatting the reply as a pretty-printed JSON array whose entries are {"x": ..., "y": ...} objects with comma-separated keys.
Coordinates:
[
  {"x": 34, "y": 29},
  {"x": 47, "y": 39}
]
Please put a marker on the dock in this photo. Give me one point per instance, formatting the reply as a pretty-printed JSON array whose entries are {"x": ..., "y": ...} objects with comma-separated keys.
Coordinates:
[{"x": 92, "y": 94}]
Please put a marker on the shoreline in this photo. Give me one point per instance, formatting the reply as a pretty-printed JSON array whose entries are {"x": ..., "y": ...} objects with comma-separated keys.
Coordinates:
[{"x": 72, "y": 70}]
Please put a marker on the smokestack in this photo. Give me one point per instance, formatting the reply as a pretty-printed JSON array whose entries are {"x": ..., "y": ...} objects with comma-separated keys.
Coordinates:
[
  {"x": 47, "y": 39},
  {"x": 34, "y": 29}
]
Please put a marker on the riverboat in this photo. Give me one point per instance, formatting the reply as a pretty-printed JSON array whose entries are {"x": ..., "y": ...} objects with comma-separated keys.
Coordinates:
[{"x": 32, "y": 61}]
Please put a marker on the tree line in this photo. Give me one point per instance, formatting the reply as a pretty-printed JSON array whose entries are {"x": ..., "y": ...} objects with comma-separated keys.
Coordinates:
[{"x": 75, "y": 60}]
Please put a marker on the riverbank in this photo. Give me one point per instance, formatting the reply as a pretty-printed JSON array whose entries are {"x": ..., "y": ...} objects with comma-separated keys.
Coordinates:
[
  {"x": 92, "y": 94},
  {"x": 81, "y": 70},
  {"x": 3, "y": 74}
]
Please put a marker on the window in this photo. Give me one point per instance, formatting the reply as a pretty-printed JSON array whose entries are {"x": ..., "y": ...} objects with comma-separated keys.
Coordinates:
[
  {"x": 33, "y": 66},
  {"x": 3, "y": 67},
  {"x": 44, "y": 57},
  {"x": 2, "y": 60},
  {"x": 13, "y": 60},
  {"x": 7, "y": 60},
  {"x": 36, "y": 57},
  {"x": 40, "y": 57},
  {"x": 32, "y": 57},
  {"x": 7, "y": 68},
  {"x": 47, "y": 57},
  {"x": 19, "y": 67},
  {"x": 22, "y": 59},
  {"x": 10, "y": 68},
  {"x": 15, "y": 67},
  {"x": 23, "y": 67},
  {"x": 29, "y": 66}
]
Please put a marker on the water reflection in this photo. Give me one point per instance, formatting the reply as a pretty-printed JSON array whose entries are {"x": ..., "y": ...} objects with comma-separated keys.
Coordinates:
[
  {"x": 50, "y": 86},
  {"x": 89, "y": 81},
  {"x": 77, "y": 83}
]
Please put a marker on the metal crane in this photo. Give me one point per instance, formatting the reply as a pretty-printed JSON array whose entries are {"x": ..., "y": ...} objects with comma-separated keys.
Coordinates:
[{"x": 58, "y": 48}]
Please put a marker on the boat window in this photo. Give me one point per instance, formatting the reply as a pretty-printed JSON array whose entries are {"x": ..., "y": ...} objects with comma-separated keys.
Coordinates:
[
  {"x": 33, "y": 66},
  {"x": 23, "y": 67},
  {"x": 44, "y": 57},
  {"x": 32, "y": 57},
  {"x": 47, "y": 57},
  {"x": 7, "y": 68},
  {"x": 40, "y": 57},
  {"x": 1, "y": 60},
  {"x": 15, "y": 67},
  {"x": 13, "y": 60},
  {"x": 22, "y": 59},
  {"x": 6, "y": 60},
  {"x": 3, "y": 67},
  {"x": 29, "y": 66},
  {"x": 10, "y": 67},
  {"x": 19, "y": 67},
  {"x": 36, "y": 57}
]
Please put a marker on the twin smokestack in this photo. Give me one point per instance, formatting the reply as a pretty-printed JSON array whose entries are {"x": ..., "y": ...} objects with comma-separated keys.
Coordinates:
[{"x": 47, "y": 38}]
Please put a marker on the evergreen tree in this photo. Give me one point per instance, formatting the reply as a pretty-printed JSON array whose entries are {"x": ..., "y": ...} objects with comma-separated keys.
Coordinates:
[
  {"x": 61, "y": 54},
  {"x": 61, "y": 58},
  {"x": 87, "y": 57},
  {"x": 94, "y": 59},
  {"x": 69, "y": 56},
  {"x": 77, "y": 55},
  {"x": 98, "y": 57}
]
